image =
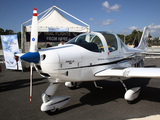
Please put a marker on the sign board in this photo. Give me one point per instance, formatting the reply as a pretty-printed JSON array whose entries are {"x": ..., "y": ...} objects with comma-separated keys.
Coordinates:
[
  {"x": 51, "y": 29},
  {"x": 53, "y": 36},
  {"x": 10, "y": 47}
]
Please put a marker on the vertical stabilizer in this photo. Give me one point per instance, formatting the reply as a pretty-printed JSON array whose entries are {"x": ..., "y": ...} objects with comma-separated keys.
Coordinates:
[{"x": 144, "y": 39}]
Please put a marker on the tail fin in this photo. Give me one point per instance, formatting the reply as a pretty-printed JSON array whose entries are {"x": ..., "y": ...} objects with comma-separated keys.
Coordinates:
[{"x": 144, "y": 39}]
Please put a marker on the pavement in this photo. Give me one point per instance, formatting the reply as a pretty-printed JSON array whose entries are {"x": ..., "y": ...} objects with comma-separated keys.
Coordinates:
[{"x": 87, "y": 102}]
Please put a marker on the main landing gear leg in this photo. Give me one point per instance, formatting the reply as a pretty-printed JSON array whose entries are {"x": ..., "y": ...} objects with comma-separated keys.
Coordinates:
[
  {"x": 97, "y": 85},
  {"x": 130, "y": 94},
  {"x": 51, "y": 104}
]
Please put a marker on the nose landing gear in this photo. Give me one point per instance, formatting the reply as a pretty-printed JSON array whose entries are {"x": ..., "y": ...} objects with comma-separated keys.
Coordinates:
[{"x": 51, "y": 104}]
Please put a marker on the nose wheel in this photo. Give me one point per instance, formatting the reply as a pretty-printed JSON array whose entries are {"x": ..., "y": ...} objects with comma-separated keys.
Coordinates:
[{"x": 51, "y": 104}]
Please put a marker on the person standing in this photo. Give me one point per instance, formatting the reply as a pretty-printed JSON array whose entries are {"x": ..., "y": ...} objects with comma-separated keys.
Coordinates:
[
  {"x": 48, "y": 45},
  {"x": 61, "y": 43}
]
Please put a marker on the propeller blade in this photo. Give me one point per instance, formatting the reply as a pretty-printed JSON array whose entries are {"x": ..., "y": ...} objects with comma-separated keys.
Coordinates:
[
  {"x": 31, "y": 77},
  {"x": 34, "y": 32},
  {"x": 33, "y": 56}
]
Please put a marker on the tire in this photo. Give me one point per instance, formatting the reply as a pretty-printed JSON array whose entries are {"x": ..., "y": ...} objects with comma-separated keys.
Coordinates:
[
  {"x": 52, "y": 112},
  {"x": 74, "y": 86}
]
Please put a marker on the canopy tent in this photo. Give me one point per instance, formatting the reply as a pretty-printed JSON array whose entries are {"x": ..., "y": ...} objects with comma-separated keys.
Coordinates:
[
  {"x": 51, "y": 26},
  {"x": 55, "y": 22}
]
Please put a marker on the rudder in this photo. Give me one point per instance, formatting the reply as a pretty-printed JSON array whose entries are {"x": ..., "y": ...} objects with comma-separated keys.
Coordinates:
[{"x": 143, "y": 45}]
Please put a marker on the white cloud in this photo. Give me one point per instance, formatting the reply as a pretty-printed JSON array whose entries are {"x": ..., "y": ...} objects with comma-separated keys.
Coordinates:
[
  {"x": 110, "y": 8},
  {"x": 105, "y": 22},
  {"x": 106, "y": 4},
  {"x": 91, "y": 19},
  {"x": 153, "y": 31},
  {"x": 153, "y": 28},
  {"x": 133, "y": 28}
]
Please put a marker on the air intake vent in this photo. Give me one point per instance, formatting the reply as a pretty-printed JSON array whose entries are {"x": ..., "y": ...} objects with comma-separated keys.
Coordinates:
[
  {"x": 38, "y": 67},
  {"x": 45, "y": 74},
  {"x": 43, "y": 57}
]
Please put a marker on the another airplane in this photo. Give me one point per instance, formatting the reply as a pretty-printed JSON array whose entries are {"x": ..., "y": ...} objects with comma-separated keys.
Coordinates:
[{"x": 87, "y": 57}]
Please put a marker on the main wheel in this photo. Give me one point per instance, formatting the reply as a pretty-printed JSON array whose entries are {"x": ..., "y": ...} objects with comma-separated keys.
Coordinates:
[
  {"x": 52, "y": 112},
  {"x": 74, "y": 85}
]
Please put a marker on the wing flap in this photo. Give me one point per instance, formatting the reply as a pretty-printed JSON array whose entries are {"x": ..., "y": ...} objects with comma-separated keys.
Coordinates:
[{"x": 130, "y": 72}]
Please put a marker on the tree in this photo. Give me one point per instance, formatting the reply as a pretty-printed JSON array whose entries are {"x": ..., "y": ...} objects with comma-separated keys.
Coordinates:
[
  {"x": 1, "y": 31},
  {"x": 19, "y": 38},
  {"x": 131, "y": 38},
  {"x": 156, "y": 41},
  {"x": 121, "y": 37},
  {"x": 8, "y": 32}
]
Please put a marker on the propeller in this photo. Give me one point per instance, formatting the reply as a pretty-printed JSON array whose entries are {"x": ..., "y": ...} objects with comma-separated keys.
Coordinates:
[
  {"x": 32, "y": 56},
  {"x": 31, "y": 77}
]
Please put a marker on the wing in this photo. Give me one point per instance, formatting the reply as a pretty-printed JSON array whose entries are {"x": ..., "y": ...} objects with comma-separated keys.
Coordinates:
[
  {"x": 19, "y": 54},
  {"x": 130, "y": 72},
  {"x": 152, "y": 53}
]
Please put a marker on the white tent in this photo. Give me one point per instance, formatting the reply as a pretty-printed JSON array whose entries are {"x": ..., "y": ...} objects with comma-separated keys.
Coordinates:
[{"x": 52, "y": 21}]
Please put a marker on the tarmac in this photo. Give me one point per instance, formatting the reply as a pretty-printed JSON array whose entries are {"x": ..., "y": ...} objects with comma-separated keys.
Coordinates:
[{"x": 87, "y": 102}]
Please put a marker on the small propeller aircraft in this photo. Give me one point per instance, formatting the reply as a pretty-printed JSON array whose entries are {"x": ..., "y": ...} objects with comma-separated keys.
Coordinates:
[{"x": 88, "y": 57}]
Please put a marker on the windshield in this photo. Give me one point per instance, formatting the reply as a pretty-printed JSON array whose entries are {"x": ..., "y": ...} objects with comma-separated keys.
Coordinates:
[{"x": 88, "y": 41}]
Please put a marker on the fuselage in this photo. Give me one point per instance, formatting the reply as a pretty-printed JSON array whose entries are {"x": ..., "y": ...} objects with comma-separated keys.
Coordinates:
[{"x": 83, "y": 56}]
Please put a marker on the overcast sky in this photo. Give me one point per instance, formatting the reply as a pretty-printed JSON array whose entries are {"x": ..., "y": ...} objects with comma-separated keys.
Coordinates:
[{"x": 101, "y": 15}]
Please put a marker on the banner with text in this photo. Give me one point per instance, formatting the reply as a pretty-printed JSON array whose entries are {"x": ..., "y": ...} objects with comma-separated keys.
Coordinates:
[
  {"x": 53, "y": 36},
  {"x": 10, "y": 48}
]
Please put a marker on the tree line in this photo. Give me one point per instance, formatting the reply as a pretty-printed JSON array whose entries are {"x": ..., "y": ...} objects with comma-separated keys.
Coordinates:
[
  {"x": 135, "y": 37},
  {"x": 132, "y": 38}
]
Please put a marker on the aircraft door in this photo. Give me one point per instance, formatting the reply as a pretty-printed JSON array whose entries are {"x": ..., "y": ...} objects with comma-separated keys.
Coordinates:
[{"x": 112, "y": 42}]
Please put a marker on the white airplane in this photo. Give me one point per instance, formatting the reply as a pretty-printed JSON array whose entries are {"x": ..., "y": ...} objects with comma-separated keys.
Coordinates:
[{"x": 87, "y": 57}]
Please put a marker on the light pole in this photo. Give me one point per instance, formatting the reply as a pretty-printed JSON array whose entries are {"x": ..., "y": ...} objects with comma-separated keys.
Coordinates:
[{"x": 124, "y": 36}]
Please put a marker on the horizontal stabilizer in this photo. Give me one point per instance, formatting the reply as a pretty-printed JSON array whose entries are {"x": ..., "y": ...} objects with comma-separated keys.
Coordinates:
[
  {"x": 19, "y": 54},
  {"x": 152, "y": 53}
]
